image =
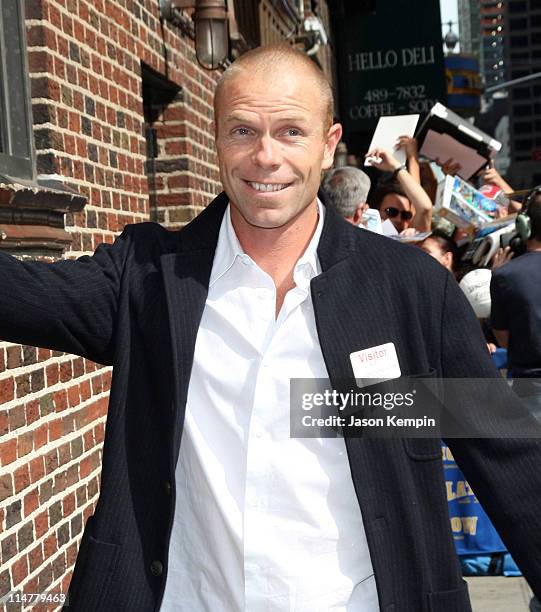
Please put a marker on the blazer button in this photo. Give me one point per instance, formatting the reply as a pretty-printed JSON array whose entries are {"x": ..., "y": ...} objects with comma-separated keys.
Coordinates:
[
  {"x": 167, "y": 487},
  {"x": 156, "y": 568}
]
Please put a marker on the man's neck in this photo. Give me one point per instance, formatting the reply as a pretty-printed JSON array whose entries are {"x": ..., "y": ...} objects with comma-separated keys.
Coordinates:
[
  {"x": 533, "y": 245},
  {"x": 277, "y": 250}
]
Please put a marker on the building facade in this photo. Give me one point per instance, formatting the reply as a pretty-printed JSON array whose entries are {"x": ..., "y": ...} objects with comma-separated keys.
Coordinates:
[
  {"x": 523, "y": 48},
  {"x": 469, "y": 23},
  {"x": 105, "y": 119},
  {"x": 492, "y": 49}
]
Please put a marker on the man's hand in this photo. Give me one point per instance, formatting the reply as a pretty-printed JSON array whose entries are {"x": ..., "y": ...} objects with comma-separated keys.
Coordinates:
[
  {"x": 409, "y": 231},
  {"x": 501, "y": 257},
  {"x": 491, "y": 176},
  {"x": 388, "y": 162},
  {"x": 449, "y": 167},
  {"x": 409, "y": 144}
]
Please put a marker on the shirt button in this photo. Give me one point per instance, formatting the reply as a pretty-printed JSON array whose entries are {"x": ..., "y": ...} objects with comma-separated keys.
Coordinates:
[
  {"x": 167, "y": 486},
  {"x": 156, "y": 568}
]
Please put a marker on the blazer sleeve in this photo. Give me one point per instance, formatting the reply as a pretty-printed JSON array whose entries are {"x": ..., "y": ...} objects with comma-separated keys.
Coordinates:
[
  {"x": 68, "y": 305},
  {"x": 504, "y": 472}
]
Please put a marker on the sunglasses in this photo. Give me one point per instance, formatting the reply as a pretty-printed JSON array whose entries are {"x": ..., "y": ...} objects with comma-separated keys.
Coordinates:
[{"x": 393, "y": 212}]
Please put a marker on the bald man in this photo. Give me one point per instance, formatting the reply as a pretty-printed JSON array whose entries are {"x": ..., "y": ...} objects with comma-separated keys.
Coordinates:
[{"x": 207, "y": 503}]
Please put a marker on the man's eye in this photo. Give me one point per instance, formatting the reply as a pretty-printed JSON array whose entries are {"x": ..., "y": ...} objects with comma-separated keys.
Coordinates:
[
  {"x": 293, "y": 132},
  {"x": 241, "y": 131}
]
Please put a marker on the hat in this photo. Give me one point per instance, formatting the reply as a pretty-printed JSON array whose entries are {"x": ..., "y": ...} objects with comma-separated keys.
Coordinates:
[{"x": 476, "y": 287}]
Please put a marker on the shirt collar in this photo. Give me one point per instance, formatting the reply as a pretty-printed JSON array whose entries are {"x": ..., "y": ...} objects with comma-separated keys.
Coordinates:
[{"x": 228, "y": 249}]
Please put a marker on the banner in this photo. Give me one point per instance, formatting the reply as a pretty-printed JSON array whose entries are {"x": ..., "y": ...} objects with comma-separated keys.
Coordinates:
[{"x": 472, "y": 530}]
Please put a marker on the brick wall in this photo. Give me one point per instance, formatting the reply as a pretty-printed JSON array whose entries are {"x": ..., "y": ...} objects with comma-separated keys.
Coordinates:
[
  {"x": 101, "y": 87},
  {"x": 85, "y": 60}
]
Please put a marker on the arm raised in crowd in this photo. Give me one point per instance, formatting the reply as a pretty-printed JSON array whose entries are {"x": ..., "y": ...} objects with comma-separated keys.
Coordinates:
[
  {"x": 409, "y": 144},
  {"x": 416, "y": 194},
  {"x": 69, "y": 305}
]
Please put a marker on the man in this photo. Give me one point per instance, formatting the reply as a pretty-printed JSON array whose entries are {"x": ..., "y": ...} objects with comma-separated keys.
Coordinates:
[
  {"x": 516, "y": 314},
  {"x": 516, "y": 310},
  {"x": 206, "y": 502},
  {"x": 347, "y": 189}
]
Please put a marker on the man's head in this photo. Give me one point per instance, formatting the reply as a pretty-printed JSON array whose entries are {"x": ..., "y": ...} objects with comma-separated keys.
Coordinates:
[
  {"x": 347, "y": 189},
  {"x": 274, "y": 135},
  {"x": 441, "y": 248},
  {"x": 393, "y": 204},
  {"x": 534, "y": 212}
]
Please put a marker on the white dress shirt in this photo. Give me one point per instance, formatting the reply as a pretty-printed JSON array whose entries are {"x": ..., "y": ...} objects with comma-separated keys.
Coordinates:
[{"x": 263, "y": 522}]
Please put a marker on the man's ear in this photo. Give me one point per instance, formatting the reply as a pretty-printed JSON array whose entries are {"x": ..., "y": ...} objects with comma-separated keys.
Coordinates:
[
  {"x": 333, "y": 138},
  {"x": 448, "y": 259},
  {"x": 358, "y": 214}
]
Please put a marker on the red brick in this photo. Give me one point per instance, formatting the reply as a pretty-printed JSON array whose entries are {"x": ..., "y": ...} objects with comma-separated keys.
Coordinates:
[
  {"x": 52, "y": 371},
  {"x": 41, "y": 436},
  {"x": 8, "y": 451},
  {"x": 15, "y": 357},
  {"x": 73, "y": 396},
  {"x": 25, "y": 443},
  {"x": 30, "y": 502},
  {"x": 21, "y": 478},
  {"x": 3, "y": 422},
  {"x": 50, "y": 546},
  {"x": 37, "y": 469},
  {"x": 41, "y": 523},
  {"x": 35, "y": 559},
  {"x": 68, "y": 504},
  {"x": 19, "y": 571},
  {"x": 32, "y": 412},
  {"x": 6, "y": 487},
  {"x": 55, "y": 429},
  {"x": 43, "y": 354},
  {"x": 60, "y": 400},
  {"x": 7, "y": 390},
  {"x": 65, "y": 368}
]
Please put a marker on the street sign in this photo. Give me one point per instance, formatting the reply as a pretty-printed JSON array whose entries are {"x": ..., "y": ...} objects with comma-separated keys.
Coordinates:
[{"x": 389, "y": 62}]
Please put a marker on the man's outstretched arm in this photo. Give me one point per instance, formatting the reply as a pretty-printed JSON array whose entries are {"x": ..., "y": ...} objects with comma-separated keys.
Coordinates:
[{"x": 69, "y": 305}]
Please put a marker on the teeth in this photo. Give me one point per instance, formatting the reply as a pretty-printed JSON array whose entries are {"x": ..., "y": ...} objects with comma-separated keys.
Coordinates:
[{"x": 268, "y": 186}]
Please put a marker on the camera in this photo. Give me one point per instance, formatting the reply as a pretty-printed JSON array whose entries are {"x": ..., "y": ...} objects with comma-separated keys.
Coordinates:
[{"x": 513, "y": 240}]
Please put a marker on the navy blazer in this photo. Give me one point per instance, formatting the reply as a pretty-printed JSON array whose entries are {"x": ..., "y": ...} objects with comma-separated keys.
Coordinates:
[{"x": 137, "y": 304}]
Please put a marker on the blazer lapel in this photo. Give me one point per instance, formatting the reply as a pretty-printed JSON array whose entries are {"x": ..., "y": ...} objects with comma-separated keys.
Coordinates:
[
  {"x": 343, "y": 303},
  {"x": 186, "y": 275}
]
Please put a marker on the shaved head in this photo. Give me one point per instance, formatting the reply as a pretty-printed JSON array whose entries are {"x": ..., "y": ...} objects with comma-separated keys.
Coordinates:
[{"x": 272, "y": 61}]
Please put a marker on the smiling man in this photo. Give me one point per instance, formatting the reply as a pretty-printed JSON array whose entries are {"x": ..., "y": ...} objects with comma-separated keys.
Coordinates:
[{"x": 206, "y": 502}]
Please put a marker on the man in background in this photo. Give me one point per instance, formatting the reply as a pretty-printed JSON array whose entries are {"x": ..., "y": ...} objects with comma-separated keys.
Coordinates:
[
  {"x": 347, "y": 190},
  {"x": 516, "y": 310}
]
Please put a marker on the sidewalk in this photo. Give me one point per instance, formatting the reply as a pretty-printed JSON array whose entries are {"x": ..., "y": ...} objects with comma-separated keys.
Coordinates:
[{"x": 499, "y": 594}]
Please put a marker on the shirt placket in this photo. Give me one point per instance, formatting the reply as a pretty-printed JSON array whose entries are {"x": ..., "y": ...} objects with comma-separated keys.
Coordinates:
[{"x": 263, "y": 591}]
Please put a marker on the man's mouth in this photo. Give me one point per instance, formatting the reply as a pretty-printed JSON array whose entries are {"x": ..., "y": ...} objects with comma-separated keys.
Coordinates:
[{"x": 268, "y": 187}]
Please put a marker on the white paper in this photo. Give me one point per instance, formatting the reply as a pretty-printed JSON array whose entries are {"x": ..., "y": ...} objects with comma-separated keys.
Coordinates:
[
  {"x": 387, "y": 133},
  {"x": 388, "y": 228},
  {"x": 444, "y": 147},
  {"x": 371, "y": 220}
]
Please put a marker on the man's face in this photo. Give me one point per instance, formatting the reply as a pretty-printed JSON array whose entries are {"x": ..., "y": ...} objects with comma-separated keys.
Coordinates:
[
  {"x": 398, "y": 209},
  {"x": 272, "y": 145}
]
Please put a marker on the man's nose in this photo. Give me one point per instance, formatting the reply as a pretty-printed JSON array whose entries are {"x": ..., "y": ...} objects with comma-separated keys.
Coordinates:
[{"x": 267, "y": 152}]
